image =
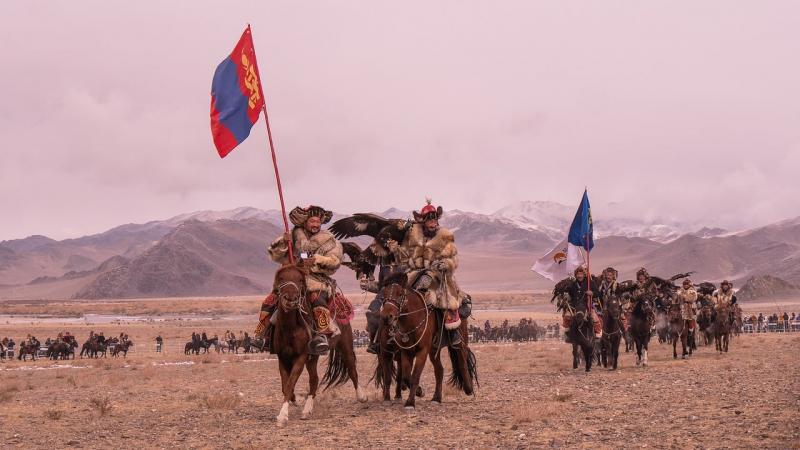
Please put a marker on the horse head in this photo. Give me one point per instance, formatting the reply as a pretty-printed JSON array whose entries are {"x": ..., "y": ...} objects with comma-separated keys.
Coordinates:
[
  {"x": 613, "y": 307},
  {"x": 289, "y": 286},
  {"x": 393, "y": 291}
]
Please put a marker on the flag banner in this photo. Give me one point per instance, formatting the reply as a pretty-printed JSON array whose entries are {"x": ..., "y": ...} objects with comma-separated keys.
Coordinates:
[
  {"x": 236, "y": 96},
  {"x": 560, "y": 262},
  {"x": 568, "y": 255},
  {"x": 581, "y": 231}
]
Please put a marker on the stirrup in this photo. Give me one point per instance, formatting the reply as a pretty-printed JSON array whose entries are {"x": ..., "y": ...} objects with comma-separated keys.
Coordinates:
[
  {"x": 455, "y": 339},
  {"x": 318, "y": 345},
  {"x": 373, "y": 348}
]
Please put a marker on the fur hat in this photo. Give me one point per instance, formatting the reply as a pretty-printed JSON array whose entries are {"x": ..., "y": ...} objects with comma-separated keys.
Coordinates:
[
  {"x": 299, "y": 215},
  {"x": 687, "y": 281},
  {"x": 612, "y": 270},
  {"x": 579, "y": 269},
  {"x": 642, "y": 271},
  {"x": 428, "y": 212},
  {"x": 724, "y": 282}
]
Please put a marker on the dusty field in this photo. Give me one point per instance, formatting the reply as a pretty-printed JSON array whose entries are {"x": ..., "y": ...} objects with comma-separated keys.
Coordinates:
[{"x": 529, "y": 397}]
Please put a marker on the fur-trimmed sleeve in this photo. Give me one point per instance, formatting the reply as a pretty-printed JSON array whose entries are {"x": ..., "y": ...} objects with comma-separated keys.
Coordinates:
[
  {"x": 330, "y": 261},
  {"x": 449, "y": 256}
]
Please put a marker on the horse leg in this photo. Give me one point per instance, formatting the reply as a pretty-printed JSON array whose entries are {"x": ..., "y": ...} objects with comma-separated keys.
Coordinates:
[
  {"x": 438, "y": 373},
  {"x": 288, "y": 390},
  {"x": 419, "y": 364},
  {"x": 386, "y": 360},
  {"x": 349, "y": 356},
  {"x": 406, "y": 366},
  {"x": 399, "y": 383},
  {"x": 313, "y": 383},
  {"x": 674, "y": 346},
  {"x": 574, "y": 356},
  {"x": 588, "y": 355},
  {"x": 615, "y": 351}
]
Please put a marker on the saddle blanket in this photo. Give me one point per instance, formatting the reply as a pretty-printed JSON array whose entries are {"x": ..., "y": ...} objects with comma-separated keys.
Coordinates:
[{"x": 340, "y": 307}]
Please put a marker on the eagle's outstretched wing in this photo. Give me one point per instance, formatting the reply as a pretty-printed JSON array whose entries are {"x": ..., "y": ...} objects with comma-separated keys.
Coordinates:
[
  {"x": 706, "y": 288},
  {"x": 561, "y": 287},
  {"x": 359, "y": 224},
  {"x": 681, "y": 275},
  {"x": 626, "y": 286}
]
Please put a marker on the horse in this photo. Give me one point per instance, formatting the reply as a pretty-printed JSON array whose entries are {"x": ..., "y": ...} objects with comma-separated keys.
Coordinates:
[
  {"x": 640, "y": 327},
  {"x": 28, "y": 349},
  {"x": 581, "y": 334},
  {"x": 613, "y": 332},
  {"x": 662, "y": 326},
  {"x": 679, "y": 330},
  {"x": 122, "y": 348},
  {"x": 290, "y": 339},
  {"x": 705, "y": 324},
  {"x": 722, "y": 328}
]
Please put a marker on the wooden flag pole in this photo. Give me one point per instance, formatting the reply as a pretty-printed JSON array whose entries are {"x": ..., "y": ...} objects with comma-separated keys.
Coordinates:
[{"x": 274, "y": 158}]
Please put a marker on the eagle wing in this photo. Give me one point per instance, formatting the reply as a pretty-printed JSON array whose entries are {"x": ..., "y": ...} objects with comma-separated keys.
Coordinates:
[
  {"x": 359, "y": 224},
  {"x": 680, "y": 275}
]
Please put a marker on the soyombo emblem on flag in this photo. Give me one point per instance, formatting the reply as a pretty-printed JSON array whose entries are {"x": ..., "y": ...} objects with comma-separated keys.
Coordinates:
[{"x": 236, "y": 96}]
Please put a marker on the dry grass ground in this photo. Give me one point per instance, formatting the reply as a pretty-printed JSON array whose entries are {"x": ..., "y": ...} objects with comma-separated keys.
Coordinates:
[{"x": 529, "y": 397}]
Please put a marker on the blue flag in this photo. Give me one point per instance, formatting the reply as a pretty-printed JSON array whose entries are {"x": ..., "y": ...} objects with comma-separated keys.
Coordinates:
[{"x": 580, "y": 233}]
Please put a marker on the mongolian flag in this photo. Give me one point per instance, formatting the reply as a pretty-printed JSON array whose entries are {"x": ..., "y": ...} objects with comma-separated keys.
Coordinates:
[{"x": 236, "y": 96}]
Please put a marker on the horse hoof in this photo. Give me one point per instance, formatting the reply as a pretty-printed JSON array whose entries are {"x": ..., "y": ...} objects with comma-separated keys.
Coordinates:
[
  {"x": 361, "y": 396},
  {"x": 282, "y": 422},
  {"x": 409, "y": 408},
  {"x": 436, "y": 402}
]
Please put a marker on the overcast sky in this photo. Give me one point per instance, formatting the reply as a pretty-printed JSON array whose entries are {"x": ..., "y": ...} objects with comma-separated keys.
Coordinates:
[{"x": 681, "y": 109}]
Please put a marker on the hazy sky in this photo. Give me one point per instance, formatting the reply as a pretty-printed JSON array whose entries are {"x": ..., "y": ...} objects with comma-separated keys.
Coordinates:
[{"x": 679, "y": 109}]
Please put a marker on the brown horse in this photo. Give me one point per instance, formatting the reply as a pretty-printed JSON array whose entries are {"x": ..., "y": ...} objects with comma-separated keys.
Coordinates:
[
  {"x": 28, "y": 349},
  {"x": 679, "y": 330},
  {"x": 122, "y": 348},
  {"x": 612, "y": 332},
  {"x": 705, "y": 324},
  {"x": 416, "y": 326},
  {"x": 722, "y": 328},
  {"x": 290, "y": 339}
]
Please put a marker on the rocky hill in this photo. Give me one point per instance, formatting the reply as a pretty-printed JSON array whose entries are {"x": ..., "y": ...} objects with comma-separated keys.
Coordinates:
[{"x": 767, "y": 287}]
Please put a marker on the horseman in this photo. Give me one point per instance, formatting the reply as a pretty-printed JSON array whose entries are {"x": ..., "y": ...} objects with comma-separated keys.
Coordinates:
[
  {"x": 608, "y": 290},
  {"x": 724, "y": 298},
  {"x": 429, "y": 251},
  {"x": 577, "y": 291},
  {"x": 645, "y": 288},
  {"x": 387, "y": 265},
  {"x": 687, "y": 298},
  {"x": 322, "y": 254}
]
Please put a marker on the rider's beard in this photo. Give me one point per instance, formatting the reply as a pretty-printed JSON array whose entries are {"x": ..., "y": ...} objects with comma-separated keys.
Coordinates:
[{"x": 430, "y": 232}]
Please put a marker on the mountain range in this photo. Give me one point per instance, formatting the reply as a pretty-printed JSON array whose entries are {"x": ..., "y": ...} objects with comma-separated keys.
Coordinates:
[{"x": 217, "y": 253}]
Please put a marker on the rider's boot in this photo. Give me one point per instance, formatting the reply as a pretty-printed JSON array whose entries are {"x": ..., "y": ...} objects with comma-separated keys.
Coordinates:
[
  {"x": 452, "y": 321},
  {"x": 373, "y": 324},
  {"x": 268, "y": 307}
]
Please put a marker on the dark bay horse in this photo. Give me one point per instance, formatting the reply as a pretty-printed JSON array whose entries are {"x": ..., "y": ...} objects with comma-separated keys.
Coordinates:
[
  {"x": 641, "y": 327},
  {"x": 705, "y": 324},
  {"x": 291, "y": 335},
  {"x": 613, "y": 332},
  {"x": 123, "y": 348},
  {"x": 417, "y": 327},
  {"x": 722, "y": 328},
  {"x": 581, "y": 334},
  {"x": 679, "y": 330}
]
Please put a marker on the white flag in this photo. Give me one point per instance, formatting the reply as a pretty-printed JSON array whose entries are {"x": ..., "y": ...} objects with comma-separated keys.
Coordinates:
[{"x": 560, "y": 262}]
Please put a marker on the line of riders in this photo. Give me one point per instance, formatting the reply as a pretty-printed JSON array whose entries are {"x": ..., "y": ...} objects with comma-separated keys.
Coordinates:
[
  {"x": 64, "y": 345},
  {"x": 524, "y": 330},
  {"x": 201, "y": 343},
  {"x": 659, "y": 302}
]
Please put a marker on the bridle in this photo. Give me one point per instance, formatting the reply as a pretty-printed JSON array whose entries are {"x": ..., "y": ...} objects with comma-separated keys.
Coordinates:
[
  {"x": 288, "y": 303},
  {"x": 399, "y": 303}
]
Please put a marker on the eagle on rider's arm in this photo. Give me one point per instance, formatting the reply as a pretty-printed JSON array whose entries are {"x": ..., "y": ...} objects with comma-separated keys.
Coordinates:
[
  {"x": 362, "y": 262},
  {"x": 381, "y": 229}
]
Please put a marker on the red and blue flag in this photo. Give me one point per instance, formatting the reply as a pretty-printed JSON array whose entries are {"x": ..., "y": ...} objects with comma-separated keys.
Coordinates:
[{"x": 236, "y": 96}]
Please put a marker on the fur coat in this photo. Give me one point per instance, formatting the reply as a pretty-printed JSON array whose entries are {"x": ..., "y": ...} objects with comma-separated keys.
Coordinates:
[
  {"x": 437, "y": 253},
  {"x": 327, "y": 253}
]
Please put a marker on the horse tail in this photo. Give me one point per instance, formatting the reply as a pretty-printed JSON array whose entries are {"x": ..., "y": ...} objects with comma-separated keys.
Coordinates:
[
  {"x": 377, "y": 375},
  {"x": 462, "y": 374},
  {"x": 336, "y": 373}
]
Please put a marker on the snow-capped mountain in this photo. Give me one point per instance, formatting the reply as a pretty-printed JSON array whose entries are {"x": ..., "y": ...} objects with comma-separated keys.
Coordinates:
[{"x": 554, "y": 219}]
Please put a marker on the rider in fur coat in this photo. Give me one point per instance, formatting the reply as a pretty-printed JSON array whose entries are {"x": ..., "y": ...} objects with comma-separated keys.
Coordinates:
[
  {"x": 430, "y": 254},
  {"x": 322, "y": 253}
]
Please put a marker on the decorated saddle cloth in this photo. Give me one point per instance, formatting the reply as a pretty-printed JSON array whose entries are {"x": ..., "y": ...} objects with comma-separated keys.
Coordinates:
[{"x": 340, "y": 307}]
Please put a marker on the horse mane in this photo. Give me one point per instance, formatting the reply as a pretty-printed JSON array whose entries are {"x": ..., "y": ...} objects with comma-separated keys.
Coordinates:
[{"x": 395, "y": 278}]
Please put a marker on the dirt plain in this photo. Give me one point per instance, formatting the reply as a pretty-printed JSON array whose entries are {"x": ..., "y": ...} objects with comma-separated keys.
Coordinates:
[{"x": 529, "y": 395}]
